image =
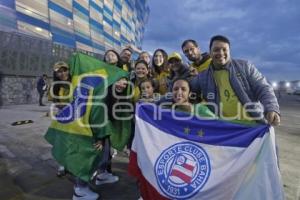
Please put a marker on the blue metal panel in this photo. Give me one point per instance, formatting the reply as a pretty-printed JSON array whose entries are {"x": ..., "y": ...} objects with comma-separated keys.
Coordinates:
[
  {"x": 96, "y": 24},
  {"x": 98, "y": 46},
  {"x": 83, "y": 40},
  {"x": 80, "y": 8},
  {"x": 124, "y": 39},
  {"x": 118, "y": 42},
  {"x": 129, "y": 3},
  {"x": 118, "y": 5},
  {"x": 60, "y": 9},
  {"x": 126, "y": 24},
  {"x": 106, "y": 9},
  {"x": 69, "y": 41},
  {"x": 8, "y": 3},
  {"x": 109, "y": 37},
  {"x": 116, "y": 24},
  {"x": 80, "y": 15},
  {"x": 59, "y": 31},
  {"x": 8, "y": 19},
  {"x": 107, "y": 20},
  {"x": 94, "y": 5},
  {"x": 33, "y": 21}
]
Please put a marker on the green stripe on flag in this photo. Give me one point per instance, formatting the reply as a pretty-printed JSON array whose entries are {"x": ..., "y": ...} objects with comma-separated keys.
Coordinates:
[
  {"x": 76, "y": 153},
  {"x": 72, "y": 142}
]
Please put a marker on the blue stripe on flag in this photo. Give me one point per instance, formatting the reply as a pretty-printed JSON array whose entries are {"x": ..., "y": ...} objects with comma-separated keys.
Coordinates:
[{"x": 215, "y": 132}]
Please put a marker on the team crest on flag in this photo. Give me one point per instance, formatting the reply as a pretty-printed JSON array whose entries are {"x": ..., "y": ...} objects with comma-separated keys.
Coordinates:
[{"x": 182, "y": 170}]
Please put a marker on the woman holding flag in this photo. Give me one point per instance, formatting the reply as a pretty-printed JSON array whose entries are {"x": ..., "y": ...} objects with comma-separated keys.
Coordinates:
[
  {"x": 73, "y": 132},
  {"x": 181, "y": 94}
]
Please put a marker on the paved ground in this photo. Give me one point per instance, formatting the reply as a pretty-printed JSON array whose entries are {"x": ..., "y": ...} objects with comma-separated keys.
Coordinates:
[
  {"x": 288, "y": 139},
  {"x": 27, "y": 170}
]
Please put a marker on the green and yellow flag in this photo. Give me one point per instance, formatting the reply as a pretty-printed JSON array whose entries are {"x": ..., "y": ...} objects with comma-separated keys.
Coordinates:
[{"x": 74, "y": 129}]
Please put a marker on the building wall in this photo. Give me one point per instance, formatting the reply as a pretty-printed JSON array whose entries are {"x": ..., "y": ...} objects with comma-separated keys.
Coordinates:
[
  {"x": 23, "y": 59},
  {"x": 36, "y": 33},
  {"x": 90, "y": 25},
  {"x": 18, "y": 90}
]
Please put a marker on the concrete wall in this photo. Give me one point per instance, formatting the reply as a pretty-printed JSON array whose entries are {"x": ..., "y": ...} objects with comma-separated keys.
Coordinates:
[
  {"x": 18, "y": 90},
  {"x": 23, "y": 59}
]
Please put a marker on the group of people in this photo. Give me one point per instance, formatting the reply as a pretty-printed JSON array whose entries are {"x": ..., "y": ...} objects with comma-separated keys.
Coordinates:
[
  {"x": 233, "y": 89},
  {"x": 226, "y": 88}
]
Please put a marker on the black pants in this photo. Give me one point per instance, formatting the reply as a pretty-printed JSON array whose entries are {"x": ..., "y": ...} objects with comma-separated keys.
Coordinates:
[
  {"x": 105, "y": 163},
  {"x": 131, "y": 135},
  {"x": 41, "y": 94}
]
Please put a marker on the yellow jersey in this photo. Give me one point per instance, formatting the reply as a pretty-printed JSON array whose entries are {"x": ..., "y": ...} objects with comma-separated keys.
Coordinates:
[
  {"x": 230, "y": 105},
  {"x": 200, "y": 68}
]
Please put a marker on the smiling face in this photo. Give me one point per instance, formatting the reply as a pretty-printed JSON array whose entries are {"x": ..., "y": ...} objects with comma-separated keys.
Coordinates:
[
  {"x": 158, "y": 58},
  {"x": 220, "y": 53},
  {"x": 111, "y": 58},
  {"x": 181, "y": 91},
  {"x": 121, "y": 85},
  {"x": 141, "y": 70},
  {"x": 63, "y": 74},
  {"x": 191, "y": 51}
]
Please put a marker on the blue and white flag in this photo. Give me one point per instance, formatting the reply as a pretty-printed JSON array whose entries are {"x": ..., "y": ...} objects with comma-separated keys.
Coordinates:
[{"x": 178, "y": 156}]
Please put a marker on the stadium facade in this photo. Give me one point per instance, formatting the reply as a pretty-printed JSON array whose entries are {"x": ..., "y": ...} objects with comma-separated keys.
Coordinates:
[
  {"x": 90, "y": 25},
  {"x": 36, "y": 33}
]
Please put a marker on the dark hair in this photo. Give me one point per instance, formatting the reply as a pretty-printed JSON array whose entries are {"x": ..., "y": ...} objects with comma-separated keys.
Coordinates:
[
  {"x": 181, "y": 79},
  {"x": 193, "y": 98},
  {"x": 139, "y": 58},
  {"x": 219, "y": 38},
  {"x": 183, "y": 70},
  {"x": 56, "y": 87},
  {"x": 187, "y": 41},
  {"x": 157, "y": 69},
  {"x": 127, "y": 49},
  {"x": 45, "y": 75},
  {"x": 141, "y": 61},
  {"x": 118, "y": 56},
  {"x": 147, "y": 80}
]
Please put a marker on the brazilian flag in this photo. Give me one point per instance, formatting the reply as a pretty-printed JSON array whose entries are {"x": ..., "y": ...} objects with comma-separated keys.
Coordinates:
[{"x": 85, "y": 118}]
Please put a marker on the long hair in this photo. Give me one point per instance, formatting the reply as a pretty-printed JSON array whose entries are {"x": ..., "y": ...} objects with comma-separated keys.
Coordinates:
[
  {"x": 57, "y": 87},
  {"x": 158, "y": 69},
  {"x": 119, "y": 63},
  {"x": 183, "y": 71}
]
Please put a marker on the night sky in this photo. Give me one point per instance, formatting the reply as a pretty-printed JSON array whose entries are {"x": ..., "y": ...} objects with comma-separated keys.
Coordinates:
[{"x": 266, "y": 32}]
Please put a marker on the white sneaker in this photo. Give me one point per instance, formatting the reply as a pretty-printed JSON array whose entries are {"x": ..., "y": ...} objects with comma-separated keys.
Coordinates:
[
  {"x": 115, "y": 152},
  {"x": 84, "y": 193},
  {"x": 61, "y": 171},
  {"x": 126, "y": 152},
  {"x": 106, "y": 177}
]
